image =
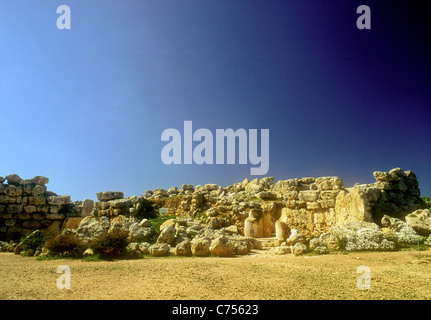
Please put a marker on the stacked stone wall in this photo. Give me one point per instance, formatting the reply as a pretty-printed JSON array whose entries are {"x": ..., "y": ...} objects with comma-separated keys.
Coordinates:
[{"x": 26, "y": 205}]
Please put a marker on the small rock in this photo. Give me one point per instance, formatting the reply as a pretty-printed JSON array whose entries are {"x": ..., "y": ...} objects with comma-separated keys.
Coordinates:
[
  {"x": 299, "y": 248},
  {"x": 183, "y": 248},
  {"x": 201, "y": 247},
  {"x": 222, "y": 247},
  {"x": 159, "y": 250}
]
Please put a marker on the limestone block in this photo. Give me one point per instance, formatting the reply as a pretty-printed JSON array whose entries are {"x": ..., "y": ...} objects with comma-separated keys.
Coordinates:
[
  {"x": 31, "y": 224},
  {"x": 326, "y": 203},
  {"x": 300, "y": 219},
  {"x": 420, "y": 221},
  {"x": 201, "y": 247},
  {"x": 184, "y": 248},
  {"x": 249, "y": 227},
  {"x": 42, "y": 208},
  {"x": 22, "y": 216},
  {"x": 291, "y": 195},
  {"x": 39, "y": 180},
  {"x": 55, "y": 216},
  {"x": 38, "y": 190},
  {"x": 329, "y": 194},
  {"x": 329, "y": 183},
  {"x": 352, "y": 205},
  {"x": 280, "y": 230},
  {"x": 13, "y": 191},
  {"x": 36, "y": 200},
  {"x": 54, "y": 209},
  {"x": 159, "y": 250},
  {"x": 9, "y": 222},
  {"x": 308, "y": 196},
  {"x": 53, "y": 229},
  {"x": 109, "y": 195},
  {"x": 313, "y": 206},
  {"x": 13, "y": 179},
  {"x": 15, "y": 208},
  {"x": 222, "y": 247},
  {"x": 59, "y": 200},
  {"x": 39, "y": 216},
  {"x": 7, "y": 199},
  {"x": 72, "y": 223}
]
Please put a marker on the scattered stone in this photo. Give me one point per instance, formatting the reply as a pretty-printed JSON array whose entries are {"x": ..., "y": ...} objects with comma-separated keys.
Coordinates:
[
  {"x": 295, "y": 237},
  {"x": 420, "y": 221},
  {"x": 144, "y": 247},
  {"x": 201, "y": 247},
  {"x": 222, "y": 247},
  {"x": 241, "y": 247},
  {"x": 90, "y": 230},
  {"x": 167, "y": 235},
  {"x": 145, "y": 223},
  {"x": 403, "y": 232},
  {"x": 282, "y": 250},
  {"x": 88, "y": 252},
  {"x": 184, "y": 248},
  {"x": 139, "y": 234},
  {"x": 298, "y": 249},
  {"x": 159, "y": 250}
]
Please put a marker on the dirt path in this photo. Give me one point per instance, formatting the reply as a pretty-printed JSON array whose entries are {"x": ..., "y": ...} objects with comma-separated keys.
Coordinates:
[{"x": 395, "y": 275}]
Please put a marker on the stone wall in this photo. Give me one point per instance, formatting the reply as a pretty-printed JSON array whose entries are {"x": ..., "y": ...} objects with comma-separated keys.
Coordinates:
[
  {"x": 26, "y": 205},
  {"x": 309, "y": 203},
  {"x": 258, "y": 208},
  {"x": 112, "y": 204}
]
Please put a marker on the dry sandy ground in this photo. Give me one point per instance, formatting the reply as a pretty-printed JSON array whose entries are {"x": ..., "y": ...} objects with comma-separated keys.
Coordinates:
[{"x": 395, "y": 275}]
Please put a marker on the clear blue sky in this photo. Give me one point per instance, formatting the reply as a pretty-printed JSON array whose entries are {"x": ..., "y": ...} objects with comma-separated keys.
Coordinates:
[{"x": 86, "y": 107}]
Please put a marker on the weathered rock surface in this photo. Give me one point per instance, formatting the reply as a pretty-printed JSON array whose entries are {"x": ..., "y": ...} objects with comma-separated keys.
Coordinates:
[
  {"x": 167, "y": 235},
  {"x": 420, "y": 221},
  {"x": 201, "y": 247},
  {"x": 159, "y": 250},
  {"x": 109, "y": 195},
  {"x": 90, "y": 230},
  {"x": 184, "y": 248},
  {"x": 222, "y": 247},
  {"x": 403, "y": 232}
]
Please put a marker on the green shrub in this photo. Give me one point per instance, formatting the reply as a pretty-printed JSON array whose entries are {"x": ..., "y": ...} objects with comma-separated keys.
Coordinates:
[
  {"x": 67, "y": 245},
  {"x": 427, "y": 201},
  {"x": 146, "y": 209},
  {"x": 111, "y": 246},
  {"x": 33, "y": 241}
]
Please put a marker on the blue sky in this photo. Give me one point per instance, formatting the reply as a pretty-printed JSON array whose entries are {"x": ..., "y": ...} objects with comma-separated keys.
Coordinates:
[{"x": 86, "y": 107}]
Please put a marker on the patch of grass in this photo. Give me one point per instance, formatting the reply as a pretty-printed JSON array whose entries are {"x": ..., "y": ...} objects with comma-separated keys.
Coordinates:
[
  {"x": 33, "y": 241},
  {"x": 65, "y": 245},
  {"x": 413, "y": 247},
  {"x": 95, "y": 258},
  {"x": 158, "y": 221},
  {"x": 44, "y": 257}
]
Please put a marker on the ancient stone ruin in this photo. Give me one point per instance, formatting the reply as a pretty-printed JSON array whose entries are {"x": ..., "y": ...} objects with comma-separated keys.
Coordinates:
[{"x": 292, "y": 215}]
